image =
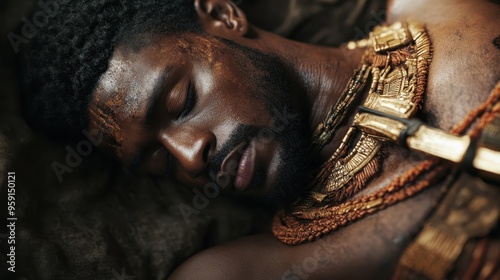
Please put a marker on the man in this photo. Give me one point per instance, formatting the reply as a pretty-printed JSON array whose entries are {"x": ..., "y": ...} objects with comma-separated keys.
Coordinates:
[{"x": 192, "y": 91}]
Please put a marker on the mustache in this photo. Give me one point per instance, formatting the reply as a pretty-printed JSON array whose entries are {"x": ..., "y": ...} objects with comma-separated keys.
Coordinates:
[{"x": 240, "y": 134}]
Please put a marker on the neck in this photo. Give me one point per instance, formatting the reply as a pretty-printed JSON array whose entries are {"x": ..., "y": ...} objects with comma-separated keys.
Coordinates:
[{"x": 319, "y": 75}]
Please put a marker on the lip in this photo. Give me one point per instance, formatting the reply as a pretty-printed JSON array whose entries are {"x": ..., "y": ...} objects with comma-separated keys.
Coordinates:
[
  {"x": 246, "y": 169},
  {"x": 238, "y": 167}
]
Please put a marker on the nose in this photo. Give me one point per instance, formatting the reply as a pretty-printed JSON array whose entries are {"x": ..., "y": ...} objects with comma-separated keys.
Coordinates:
[{"x": 191, "y": 147}]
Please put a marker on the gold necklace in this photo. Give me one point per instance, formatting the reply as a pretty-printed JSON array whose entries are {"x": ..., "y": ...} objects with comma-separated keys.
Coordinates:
[
  {"x": 397, "y": 59},
  {"x": 391, "y": 58}
]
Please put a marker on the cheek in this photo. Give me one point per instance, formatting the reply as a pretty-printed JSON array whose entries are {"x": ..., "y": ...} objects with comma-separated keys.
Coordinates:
[
  {"x": 225, "y": 92},
  {"x": 227, "y": 95},
  {"x": 222, "y": 113},
  {"x": 236, "y": 106}
]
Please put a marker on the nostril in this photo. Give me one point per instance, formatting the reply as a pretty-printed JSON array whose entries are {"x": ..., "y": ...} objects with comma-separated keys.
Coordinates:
[{"x": 206, "y": 153}]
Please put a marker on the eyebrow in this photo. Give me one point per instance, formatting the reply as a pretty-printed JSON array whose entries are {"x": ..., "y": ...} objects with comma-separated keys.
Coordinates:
[{"x": 160, "y": 86}]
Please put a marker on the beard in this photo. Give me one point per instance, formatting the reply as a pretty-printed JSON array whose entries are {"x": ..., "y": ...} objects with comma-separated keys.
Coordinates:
[{"x": 286, "y": 128}]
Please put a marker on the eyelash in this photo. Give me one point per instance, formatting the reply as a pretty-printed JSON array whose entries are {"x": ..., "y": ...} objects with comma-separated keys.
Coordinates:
[{"x": 190, "y": 102}]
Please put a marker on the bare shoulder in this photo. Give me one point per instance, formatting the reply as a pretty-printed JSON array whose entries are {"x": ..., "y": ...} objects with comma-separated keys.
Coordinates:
[
  {"x": 253, "y": 257},
  {"x": 258, "y": 257},
  {"x": 466, "y": 59},
  {"x": 374, "y": 243}
]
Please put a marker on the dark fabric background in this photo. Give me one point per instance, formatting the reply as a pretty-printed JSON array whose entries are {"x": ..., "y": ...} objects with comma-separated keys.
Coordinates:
[{"x": 101, "y": 222}]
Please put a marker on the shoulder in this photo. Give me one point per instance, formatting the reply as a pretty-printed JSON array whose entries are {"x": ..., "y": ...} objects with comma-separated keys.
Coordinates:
[
  {"x": 464, "y": 67},
  {"x": 373, "y": 243},
  {"x": 253, "y": 257},
  {"x": 263, "y": 257}
]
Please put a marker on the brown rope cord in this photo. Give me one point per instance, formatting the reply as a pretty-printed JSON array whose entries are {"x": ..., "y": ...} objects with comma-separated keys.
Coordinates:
[
  {"x": 490, "y": 268},
  {"x": 478, "y": 256},
  {"x": 290, "y": 230}
]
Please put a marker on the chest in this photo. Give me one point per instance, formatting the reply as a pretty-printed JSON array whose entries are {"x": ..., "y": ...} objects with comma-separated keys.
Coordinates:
[
  {"x": 466, "y": 62},
  {"x": 465, "y": 67}
]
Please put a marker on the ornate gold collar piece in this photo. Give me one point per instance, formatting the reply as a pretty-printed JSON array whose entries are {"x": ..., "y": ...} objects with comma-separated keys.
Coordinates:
[{"x": 396, "y": 59}]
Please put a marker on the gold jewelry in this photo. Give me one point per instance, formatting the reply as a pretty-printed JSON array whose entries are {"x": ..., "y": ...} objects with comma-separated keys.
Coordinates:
[
  {"x": 325, "y": 131},
  {"x": 397, "y": 57},
  {"x": 469, "y": 210},
  {"x": 399, "y": 76},
  {"x": 290, "y": 229}
]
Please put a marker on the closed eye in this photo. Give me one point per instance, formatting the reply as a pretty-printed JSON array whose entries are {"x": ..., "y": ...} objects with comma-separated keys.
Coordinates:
[{"x": 190, "y": 101}]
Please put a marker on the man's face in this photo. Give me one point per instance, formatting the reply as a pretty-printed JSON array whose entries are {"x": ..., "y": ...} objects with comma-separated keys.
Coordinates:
[{"x": 200, "y": 110}]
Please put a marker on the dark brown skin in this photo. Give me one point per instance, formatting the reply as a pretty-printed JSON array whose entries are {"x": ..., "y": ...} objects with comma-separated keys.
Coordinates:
[{"x": 464, "y": 69}]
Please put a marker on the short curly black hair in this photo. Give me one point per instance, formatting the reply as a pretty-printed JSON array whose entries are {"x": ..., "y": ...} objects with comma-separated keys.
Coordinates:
[{"x": 71, "y": 51}]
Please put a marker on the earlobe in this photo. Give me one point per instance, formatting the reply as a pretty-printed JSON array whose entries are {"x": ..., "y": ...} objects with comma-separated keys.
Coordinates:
[{"x": 221, "y": 17}]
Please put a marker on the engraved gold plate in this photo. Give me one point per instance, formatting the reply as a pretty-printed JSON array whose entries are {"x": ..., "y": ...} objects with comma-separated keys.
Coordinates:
[
  {"x": 395, "y": 92},
  {"x": 383, "y": 128},
  {"x": 385, "y": 38},
  {"x": 366, "y": 148}
]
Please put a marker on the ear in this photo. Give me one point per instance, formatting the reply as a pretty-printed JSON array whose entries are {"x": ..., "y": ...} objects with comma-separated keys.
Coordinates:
[{"x": 221, "y": 17}]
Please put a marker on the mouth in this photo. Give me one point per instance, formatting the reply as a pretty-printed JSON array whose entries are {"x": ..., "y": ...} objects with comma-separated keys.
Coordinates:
[{"x": 238, "y": 167}]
